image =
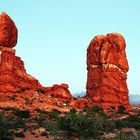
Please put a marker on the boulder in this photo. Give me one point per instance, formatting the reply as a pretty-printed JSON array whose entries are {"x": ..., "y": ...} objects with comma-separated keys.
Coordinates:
[
  {"x": 59, "y": 91},
  {"x": 8, "y": 31}
]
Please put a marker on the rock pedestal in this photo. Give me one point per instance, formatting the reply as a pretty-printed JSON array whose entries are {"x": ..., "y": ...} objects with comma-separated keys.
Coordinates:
[
  {"x": 13, "y": 76},
  {"x": 107, "y": 67}
]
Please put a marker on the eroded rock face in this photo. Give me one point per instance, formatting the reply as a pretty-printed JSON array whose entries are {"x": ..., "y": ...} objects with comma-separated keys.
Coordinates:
[
  {"x": 13, "y": 75},
  {"x": 59, "y": 91},
  {"x": 107, "y": 67},
  {"x": 8, "y": 31}
]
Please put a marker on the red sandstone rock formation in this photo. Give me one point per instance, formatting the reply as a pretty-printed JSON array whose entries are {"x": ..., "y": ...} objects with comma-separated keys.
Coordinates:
[
  {"x": 8, "y": 31},
  {"x": 81, "y": 103},
  {"x": 107, "y": 67},
  {"x": 60, "y": 91},
  {"x": 13, "y": 76},
  {"x": 106, "y": 63}
]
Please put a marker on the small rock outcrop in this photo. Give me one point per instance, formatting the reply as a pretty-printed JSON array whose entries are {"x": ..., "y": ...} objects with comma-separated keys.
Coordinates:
[
  {"x": 13, "y": 75},
  {"x": 59, "y": 91},
  {"x": 59, "y": 95},
  {"x": 107, "y": 67}
]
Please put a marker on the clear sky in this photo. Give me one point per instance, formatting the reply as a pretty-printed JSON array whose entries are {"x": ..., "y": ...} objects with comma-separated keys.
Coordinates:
[{"x": 54, "y": 36}]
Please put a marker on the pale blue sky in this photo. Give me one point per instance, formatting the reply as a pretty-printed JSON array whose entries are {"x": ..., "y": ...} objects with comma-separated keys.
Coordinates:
[{"x": 54, "y": 36}]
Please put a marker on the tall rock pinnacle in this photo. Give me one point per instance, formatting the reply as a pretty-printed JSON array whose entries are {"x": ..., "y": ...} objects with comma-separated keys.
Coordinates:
[{"x": 107, "y": 67}]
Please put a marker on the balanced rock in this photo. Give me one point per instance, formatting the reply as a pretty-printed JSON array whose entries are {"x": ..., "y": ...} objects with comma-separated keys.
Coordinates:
[
  {"x": 107, "y": 67},
  {"x": 13, "y": 75},
  {"x": 8, "y": 31}
]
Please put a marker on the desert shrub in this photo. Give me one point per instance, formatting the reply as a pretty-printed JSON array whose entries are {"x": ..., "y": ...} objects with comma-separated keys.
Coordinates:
[
  {"x": 133, "y": 118},
  {"x": 6, "y": 137},
  {"x": 41, "y": 111},
  {"x": 55, "y": 113},
  {"x": 41, "y": 90},
  {"x": 103, "y": 124},
  {"x": 19, "y": 123},
  {"x": 97, "y": 109},
  {"x": 53, "y": 127},
  {"x": 22, "y": 90},
  {"x": 8, "y": 108},
  {"x": 4, "y": 129},
  {"x": 128, "y": 136},
  {"x": 78, "y": 124},
  {"x": 131, "y": 122},
  {"x": 27, "y": 101},
  {"x": 121, "y": 110},
  {"x": 41, "y": 120},
  {"x": 123, "y": 123},
  {"x": 90, "y": 113},
  {"x": 21, "y": 113},
  {"x": 73, "y": 110},
  {"x": 127, "y": 123}
]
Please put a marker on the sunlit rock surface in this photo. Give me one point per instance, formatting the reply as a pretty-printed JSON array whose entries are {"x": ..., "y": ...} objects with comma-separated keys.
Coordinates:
[{"x": 107, "y": 71}]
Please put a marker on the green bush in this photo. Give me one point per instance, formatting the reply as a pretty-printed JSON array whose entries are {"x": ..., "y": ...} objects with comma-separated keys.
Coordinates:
[
  {"x": 78, "y": 124},
  {"x": 127, "y": 123},
  {"x": 73, "y": 110},
  {"x": 4, "y": 129},
  {"x": 41, "y": 111},
  {"x": 8, "y": 108},
  {"x": 105, "y": 125},
  {"x": 53, "y": 127},
  {"x": 21, "y": 113},
  {"x": 97, "y": 109},
  {"x": 55, "y": 113},
  {"x": 27, "y": 101},
  {"x": 41, "y": 120},
  {"x": 19, "y": 123},
  {"x": 133, "y": 118},
  {"x": 128, "y": 136},
  {"x": 131, "y": 122},
  {"x": 121, "y": 110}
]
